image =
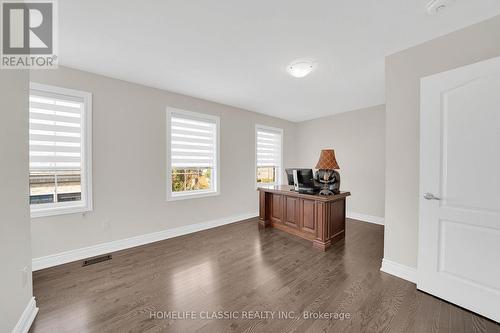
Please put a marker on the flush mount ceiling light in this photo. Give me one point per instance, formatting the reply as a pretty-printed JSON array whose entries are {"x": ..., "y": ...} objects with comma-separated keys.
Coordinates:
[
  {"x": 437, "y": 6},
  {"x": 301, "y": 67}
]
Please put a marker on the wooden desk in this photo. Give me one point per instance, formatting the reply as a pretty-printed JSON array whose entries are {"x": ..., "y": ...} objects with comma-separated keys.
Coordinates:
[{"x": 320, "y": 219}]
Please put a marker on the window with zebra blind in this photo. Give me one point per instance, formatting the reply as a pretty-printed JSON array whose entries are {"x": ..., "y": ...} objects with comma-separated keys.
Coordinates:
[
  {"x": 192, "y": 154},
  {"x": 269, "y": 143},
  {"x": 60, "y": 163}
]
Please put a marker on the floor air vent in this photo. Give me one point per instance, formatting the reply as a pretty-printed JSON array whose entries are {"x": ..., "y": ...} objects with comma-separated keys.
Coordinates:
[{"x": 95, "y": 260}]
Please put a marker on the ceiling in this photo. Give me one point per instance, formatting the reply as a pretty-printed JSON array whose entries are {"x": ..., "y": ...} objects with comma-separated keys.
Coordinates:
[{"x": 235, "y": 52}]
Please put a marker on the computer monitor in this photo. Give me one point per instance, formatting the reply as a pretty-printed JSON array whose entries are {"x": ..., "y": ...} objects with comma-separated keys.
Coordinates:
[
  {"x": 289, "y": 176},
  {"x": 305, "y": 177}
]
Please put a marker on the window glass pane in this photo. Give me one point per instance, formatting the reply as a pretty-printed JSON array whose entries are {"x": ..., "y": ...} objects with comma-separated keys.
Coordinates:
[
  {"x": 191, "y": 179},
  {"x": 55, "y": 186},
  {"x": 42, "y": 187},
  {"x": 266, "y": 174},
  {"x": 69, "y": 186}
]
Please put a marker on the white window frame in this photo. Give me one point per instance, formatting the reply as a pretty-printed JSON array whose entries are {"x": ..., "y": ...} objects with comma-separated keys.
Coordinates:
[
  {"x": 280, "y": 172},
  {"x": 84, "y": 205},
  {"x": 216, "y": 170}
]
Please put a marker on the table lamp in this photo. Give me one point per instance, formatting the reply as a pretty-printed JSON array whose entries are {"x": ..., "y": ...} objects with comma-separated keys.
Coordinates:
[{"x": 328, "y": 164}]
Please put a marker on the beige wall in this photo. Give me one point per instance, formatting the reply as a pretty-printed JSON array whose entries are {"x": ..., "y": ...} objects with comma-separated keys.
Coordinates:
[
  {"x": 403, "y": 73},
  {"x": 358, "y": 139},
  {"x": 129, "y": 164},
  {"x": 15, "y": 251}
]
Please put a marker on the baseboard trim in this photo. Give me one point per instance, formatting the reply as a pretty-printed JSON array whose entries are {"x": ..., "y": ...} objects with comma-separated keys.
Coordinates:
[
  {"x": 27, "y": 317},
  {"x": 401, "y": 271},
  {"x": 122, "y": 244},
  {"x": 366, "y": 218}
]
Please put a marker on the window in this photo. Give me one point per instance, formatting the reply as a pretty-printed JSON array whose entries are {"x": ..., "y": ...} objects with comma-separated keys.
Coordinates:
[
  {"x": 60, "y": 150},
  {"x": 192, "y": 154},
  {"x": 268, "y": 155}
]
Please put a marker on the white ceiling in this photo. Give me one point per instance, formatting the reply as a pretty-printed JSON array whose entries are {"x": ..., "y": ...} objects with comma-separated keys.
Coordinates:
[{"x": 235, "y": 52}]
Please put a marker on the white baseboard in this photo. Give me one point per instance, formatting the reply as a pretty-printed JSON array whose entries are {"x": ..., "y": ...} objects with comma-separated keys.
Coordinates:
[
  {"x": 27, "y": 318},
  {"x": 402, "y": 271},
  {"x": 113, "y": 246},
  {"x": 365, "y": 218}
]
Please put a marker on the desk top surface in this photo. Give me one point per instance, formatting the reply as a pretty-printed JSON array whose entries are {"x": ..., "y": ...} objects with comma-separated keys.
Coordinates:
[{"x": 287, "y": 190}]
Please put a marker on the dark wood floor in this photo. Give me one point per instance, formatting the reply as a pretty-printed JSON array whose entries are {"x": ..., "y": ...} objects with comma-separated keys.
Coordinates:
[{"x": 239, "y": 268}]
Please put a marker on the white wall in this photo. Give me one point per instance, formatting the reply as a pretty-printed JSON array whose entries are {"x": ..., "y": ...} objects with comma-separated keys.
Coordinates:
[
  {"x": 358, "y": 138},
  {"x": 15, "y": 251},
  {"x": 129, "y": 164},
  {"x": 403, "y": 73}
]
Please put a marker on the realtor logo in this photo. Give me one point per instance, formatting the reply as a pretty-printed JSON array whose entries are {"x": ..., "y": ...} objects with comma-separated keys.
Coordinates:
[{"x": 28, "y": 34}]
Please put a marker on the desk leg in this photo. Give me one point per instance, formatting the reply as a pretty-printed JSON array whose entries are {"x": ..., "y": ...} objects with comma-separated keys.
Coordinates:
[
  {"x": 320, "y": 245},
  {"x": 330, "y": 224},
  {"x": 263, "y": 210},
  {"x": 322, "y": 214}
]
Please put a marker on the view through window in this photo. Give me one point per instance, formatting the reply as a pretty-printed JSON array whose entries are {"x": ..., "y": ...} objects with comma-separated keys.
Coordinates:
[
  {"x": 189, "y": 179},
  {"x": 55, "y": 186}
]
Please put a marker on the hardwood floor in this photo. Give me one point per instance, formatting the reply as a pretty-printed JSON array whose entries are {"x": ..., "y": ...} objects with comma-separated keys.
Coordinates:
[{"x": 239, "y": 268}]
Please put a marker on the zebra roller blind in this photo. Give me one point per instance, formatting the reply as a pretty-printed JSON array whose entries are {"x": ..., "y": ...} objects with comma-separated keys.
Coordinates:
[
  {"x": 55, "y": 132},
  {"x": 193, "y": 142}
]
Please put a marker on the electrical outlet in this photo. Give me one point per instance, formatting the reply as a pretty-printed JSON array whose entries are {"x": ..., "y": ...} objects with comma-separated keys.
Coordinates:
[{"x": 106, "y": 224}]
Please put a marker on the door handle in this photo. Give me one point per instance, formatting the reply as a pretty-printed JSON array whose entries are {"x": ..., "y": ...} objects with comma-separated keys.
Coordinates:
[{"x": 430, "y": 196}]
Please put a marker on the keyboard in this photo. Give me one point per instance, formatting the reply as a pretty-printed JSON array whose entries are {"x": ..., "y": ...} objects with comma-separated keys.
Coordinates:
[{"x": 309, "y": 190}]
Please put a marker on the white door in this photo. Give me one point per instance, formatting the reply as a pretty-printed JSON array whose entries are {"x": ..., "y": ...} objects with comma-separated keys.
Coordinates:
[{"x": 459, "y": 228}]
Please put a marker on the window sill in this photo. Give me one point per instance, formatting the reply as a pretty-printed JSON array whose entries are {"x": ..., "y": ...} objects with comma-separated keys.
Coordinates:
[
  {"x": 187, "y": 196},
  {"x": 54, "y": 211}
]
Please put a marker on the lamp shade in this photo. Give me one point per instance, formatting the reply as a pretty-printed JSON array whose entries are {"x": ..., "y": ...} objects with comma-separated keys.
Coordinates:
[{"x": 327, "y": 160}]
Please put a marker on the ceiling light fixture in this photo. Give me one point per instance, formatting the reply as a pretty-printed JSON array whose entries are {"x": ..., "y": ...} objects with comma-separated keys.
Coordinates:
[{"x": 301, "y": 67}]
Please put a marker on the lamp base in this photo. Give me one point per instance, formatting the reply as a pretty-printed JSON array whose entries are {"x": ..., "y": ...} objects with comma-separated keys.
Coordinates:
[{"x": 325, "y": 191}]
